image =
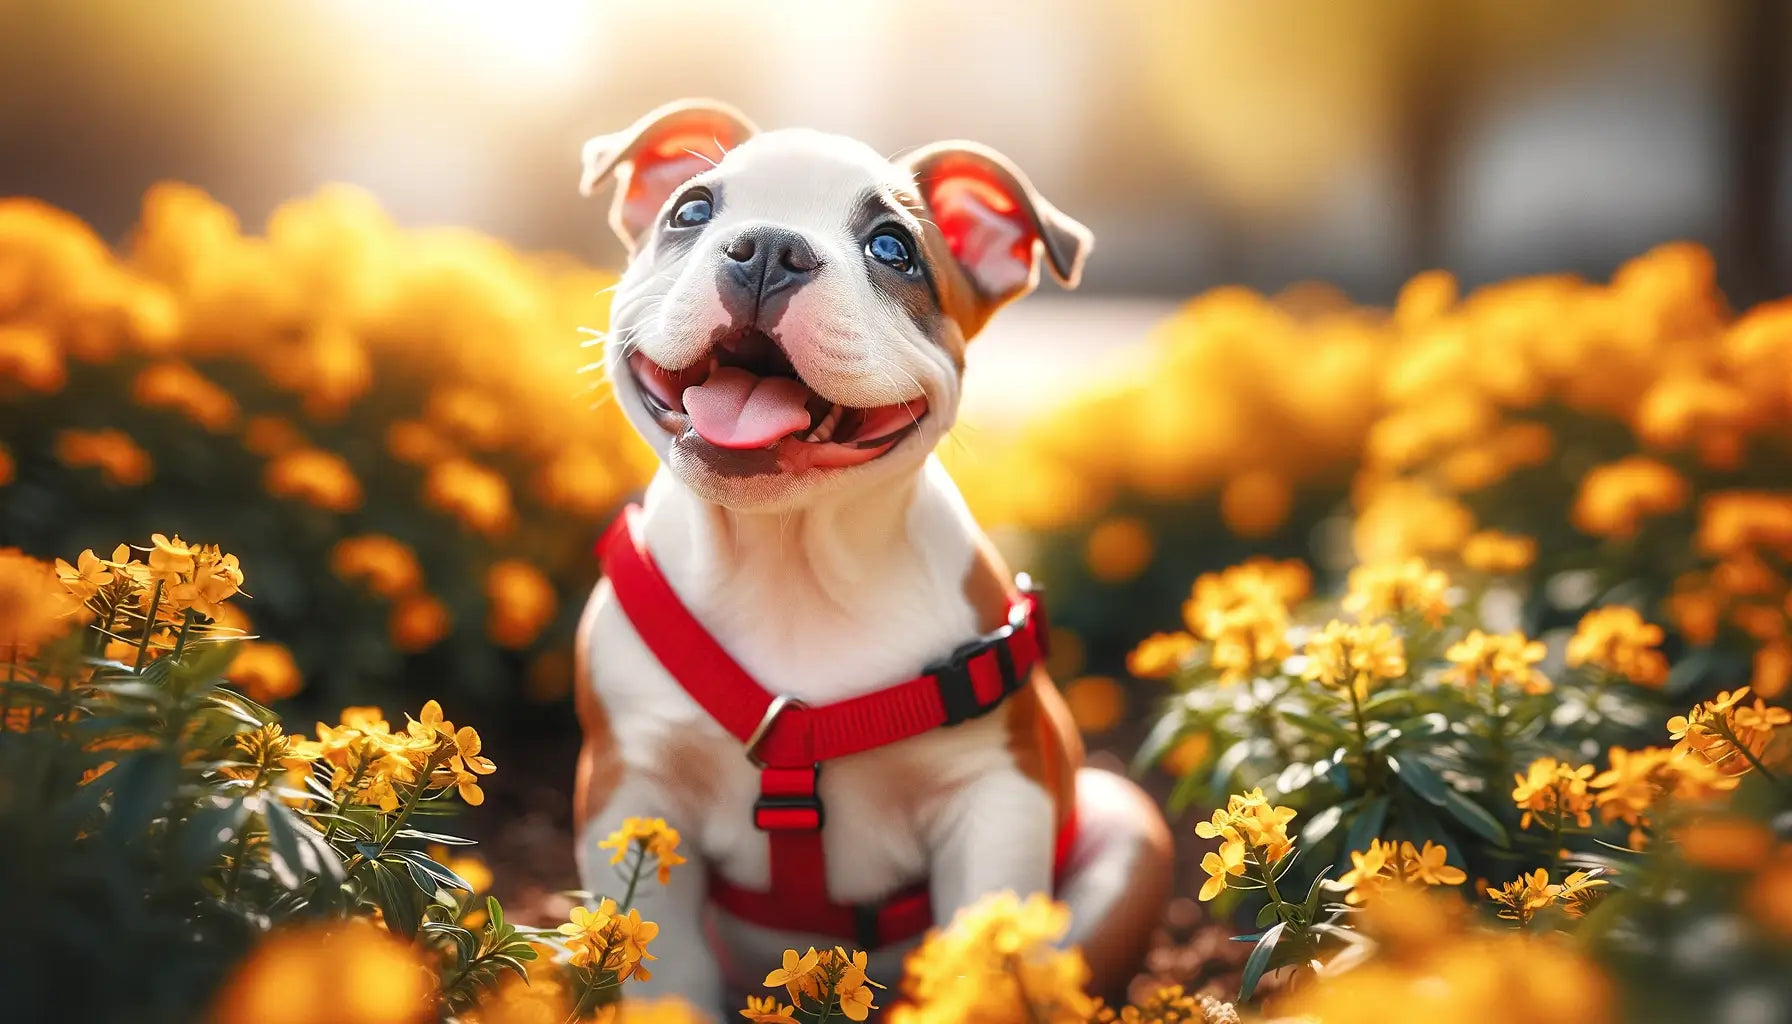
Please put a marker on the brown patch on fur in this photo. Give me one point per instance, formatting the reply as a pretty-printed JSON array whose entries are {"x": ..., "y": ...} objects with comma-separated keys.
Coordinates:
[
  {"x": 600, "y": 765},
  {"x": 1042, "y": 737}
]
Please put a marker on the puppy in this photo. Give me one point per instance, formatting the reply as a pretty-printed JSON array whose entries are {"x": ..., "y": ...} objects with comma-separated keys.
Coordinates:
[{"x": 789, "y": 337}]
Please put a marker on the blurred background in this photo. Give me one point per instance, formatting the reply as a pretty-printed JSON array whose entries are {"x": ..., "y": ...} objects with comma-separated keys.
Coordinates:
[
  {"x": 1353, "y": 141},
  {"x": 306, "y": 374}
]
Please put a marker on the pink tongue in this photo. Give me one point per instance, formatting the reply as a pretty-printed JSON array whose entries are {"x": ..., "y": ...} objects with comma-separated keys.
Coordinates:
[{"x": 738, "y": 409}]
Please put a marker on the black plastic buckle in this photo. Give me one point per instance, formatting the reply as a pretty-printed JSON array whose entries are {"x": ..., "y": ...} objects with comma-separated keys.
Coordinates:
[
  {"x": 789, "y": 803},
  {"x": 953, "y": 675}
]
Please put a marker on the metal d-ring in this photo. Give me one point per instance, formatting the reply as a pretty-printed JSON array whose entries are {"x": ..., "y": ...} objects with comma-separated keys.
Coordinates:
[{"x": 781, "y": 703}]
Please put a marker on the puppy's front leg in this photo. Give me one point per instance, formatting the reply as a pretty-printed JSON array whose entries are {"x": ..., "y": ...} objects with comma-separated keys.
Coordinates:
[
  {"x": 996, "y": 833},
  {"x": 685, "y": 967}
]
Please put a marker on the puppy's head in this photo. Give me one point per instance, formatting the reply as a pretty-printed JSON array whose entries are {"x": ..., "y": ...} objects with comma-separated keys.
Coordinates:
[{"x": 794, "y": 315}]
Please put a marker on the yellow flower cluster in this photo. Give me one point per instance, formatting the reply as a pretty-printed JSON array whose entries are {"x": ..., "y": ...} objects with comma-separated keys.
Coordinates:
[
  {"x": 1435, "y": 965},
  {"x": 1499, "y": 554},
  {"x": 332, "y": 304},
  {"x": 1241, "y": 613},
  {"x": 373, "y": 764},
  {"x": 1549, "y": 787},
  {"x": 1387, "y": 863},
  {"x": 1496, "y": 660},
  {"x": 1398, "y": 588},
  {"x": 652, "y": 837},
  {"x": 1729, "y": 735},
  {"x": 608, "y": 940},
  {"x": 997, "y": 962},
  {"x": 1748, "y": 538},
  {"x": 34, "y": 606},
  {"x": 1252, "y": 833},
  {"x": 1521, "y": 899},
  {"x": 1639, "y": 781},
  {"x": 1168, "y": 1005},
  {"x": 820, "y": 983},
  {"x": 1615, "y": 639},
  {"x": 1355, "y": 658}
]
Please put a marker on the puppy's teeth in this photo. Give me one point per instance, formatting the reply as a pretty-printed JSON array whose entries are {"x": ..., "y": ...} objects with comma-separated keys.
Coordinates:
[{"x": 826, "y": 430}]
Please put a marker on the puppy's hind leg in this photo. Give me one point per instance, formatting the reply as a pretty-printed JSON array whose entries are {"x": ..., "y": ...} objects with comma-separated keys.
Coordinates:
[{"x": 1117, "y": 878}]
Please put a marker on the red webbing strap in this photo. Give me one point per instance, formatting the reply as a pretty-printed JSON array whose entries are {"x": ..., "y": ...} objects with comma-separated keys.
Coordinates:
[
  {"x": 801, "y": 734},
  {"x": 686, "y": 650},
  {"x": 791, "y": 746}
]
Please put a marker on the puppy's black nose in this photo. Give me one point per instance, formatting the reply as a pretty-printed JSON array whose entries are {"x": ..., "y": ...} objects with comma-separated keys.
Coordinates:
[{"x": 766, "y": 262}]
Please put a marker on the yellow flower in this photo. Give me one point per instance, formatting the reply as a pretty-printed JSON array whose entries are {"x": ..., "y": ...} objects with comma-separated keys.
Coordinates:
[
  {"x": 266, "y": 672},
  {"x": 1520, "y": 900},
  {"x": 521, "y": 602},
  {"x": 1502, "y": 659},
  {"x": 418, "y": 622},
  {"x": 653, "y": 837},
  {"x": 797, "y": 975},
  {"x": 1096, "y": 703},
  {"x": 1159, "y": 655},
  {"x": 766, "y": 1010},
  {"x": 977, "y": 966},
  {"x": 1400, "y": 588},
  {"x": 1552, "y": 788},
  {"x": 315, "y": 477},
  {"x": 118, "y": 458},
  {"x": 85, "y": 578},
  {"x": 384, "y": 564},
  {"x": 1500, "y": 554},
  {"x": 179, "y": 387},
  {"x": 587, "y": 933},
  {"x": 1228, "y": 861},
  {"x": 1725, "y": 735},
  {"x": 266, "y": 751},
  {"x": 1617, "y": 640},
  {"x": 344, "y": 972},
  {"x": 1429, "y": 865},
  {"x": 1118, "y": 549},
  {"x": 1614, "y": 498},
  {"x": 1576, "y": 892},
  {"x": 479, "y": 497},
  {"x": 1369, "y": 870},
  {"x": 1355, "y": 657}
]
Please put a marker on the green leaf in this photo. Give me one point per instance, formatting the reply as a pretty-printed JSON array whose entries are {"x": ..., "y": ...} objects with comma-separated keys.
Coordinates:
[
  {"x": 1366, "y": 825},
  {"x": 1228, "y": 764},
  {"x": 1422, "y": 779},
  {"x": 141, "y": 786},
  {"x": 1321, "y": 825},
  {"x": 396, "y": 898},
  {"x": 1313, "y": 724},
  {"x": 1266, "y": 915},
  {"x": 209, "y": 829},
  {"x": 1164, "y": 734},
  {"x": 1477, "y": 818},
  {"x": 1294, "y": 778},
  {"x": 1258, "y": 961},
  {"x": 433, "y": 837},
  {"x": 428, "y": 874},
  {"x": 288, "y": 856},
  {"x": 1314, "y": 893}
]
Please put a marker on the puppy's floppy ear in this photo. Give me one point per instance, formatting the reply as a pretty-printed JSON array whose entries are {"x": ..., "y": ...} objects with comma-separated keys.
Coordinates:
[
  {"x": 995, "y": 222},
  {"x": 655, "y": 155}
]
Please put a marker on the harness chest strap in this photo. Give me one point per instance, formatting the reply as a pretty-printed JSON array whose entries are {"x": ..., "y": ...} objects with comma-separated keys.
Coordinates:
[{"x": 789, "y": 740}]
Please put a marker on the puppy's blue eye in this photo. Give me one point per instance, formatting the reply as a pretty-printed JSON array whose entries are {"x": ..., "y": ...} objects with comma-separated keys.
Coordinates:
[
  {"x": 892, "y": 250},
  {"x": 692, "y": 211}
]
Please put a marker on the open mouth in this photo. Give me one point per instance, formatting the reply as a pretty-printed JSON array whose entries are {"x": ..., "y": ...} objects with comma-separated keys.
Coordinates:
[{"x": 748, "y": 397}]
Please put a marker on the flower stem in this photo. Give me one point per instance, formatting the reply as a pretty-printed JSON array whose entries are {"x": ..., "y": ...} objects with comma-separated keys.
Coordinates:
[
  {"x": 634, "y": 878},
  {"x": 1371, "y": 777},
  {"x": 1747, "y": 754},
  {"x": 186, "y": 624},
  {"x": 149, "y": 626}
]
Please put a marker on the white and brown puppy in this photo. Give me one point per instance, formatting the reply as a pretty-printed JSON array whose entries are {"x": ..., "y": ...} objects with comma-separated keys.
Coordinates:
[{"x": 789, "y": 337}]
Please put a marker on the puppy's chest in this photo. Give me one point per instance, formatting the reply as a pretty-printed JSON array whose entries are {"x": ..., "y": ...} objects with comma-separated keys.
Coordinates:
[{"x": 824, "y": 648}]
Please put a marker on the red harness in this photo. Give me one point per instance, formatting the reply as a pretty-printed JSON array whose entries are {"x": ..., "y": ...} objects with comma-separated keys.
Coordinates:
[{"x": 788, "y": 740}]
